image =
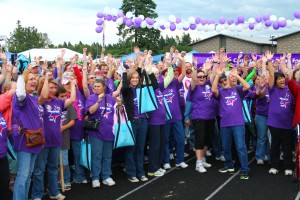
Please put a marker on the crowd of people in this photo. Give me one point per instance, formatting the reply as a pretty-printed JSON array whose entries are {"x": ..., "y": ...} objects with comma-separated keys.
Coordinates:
[{"x": 43, "y": 109}]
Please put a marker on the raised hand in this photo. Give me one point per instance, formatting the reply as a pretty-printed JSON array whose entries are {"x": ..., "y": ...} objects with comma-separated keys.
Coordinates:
[
  {"x": 215, "y": 58},
  {"x": 45, "y": 65},
  {"x": 240, "y": 56},
  {"x": 289, "y": 56},
  {"x": 2, "y": 55},
  {"x": 172, "y": 49},
  {"x": 269, "y": 55},
  {"x": 234, "y": 72},
  {"x": 254, "y": 57},
  {"x": 84, "y": 50}
]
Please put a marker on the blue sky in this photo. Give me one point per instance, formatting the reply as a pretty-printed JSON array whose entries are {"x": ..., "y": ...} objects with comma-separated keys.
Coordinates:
[{"x": 73, "y": 20}]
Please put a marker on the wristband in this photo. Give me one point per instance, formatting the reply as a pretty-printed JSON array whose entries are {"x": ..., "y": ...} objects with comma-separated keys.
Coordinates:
[{"x": 215, "y": 62}]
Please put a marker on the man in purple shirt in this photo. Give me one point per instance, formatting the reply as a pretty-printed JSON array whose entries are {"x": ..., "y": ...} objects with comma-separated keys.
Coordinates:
[{"x": 232, "y": 120}]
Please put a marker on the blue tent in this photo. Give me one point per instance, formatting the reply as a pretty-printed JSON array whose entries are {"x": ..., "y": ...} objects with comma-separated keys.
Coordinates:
[
  {"x": 157, "y": 58},
  {"x": 8, "y": 56},
  {"x": 123, "y": 58}
]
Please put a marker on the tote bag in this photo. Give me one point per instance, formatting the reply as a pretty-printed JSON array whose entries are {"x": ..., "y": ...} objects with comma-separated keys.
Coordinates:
[
  {"x": 85, "y": 154},
  {"x": 168, "y": 113},
  {"x": 146, "y": 97},
  {"x": 122, "y": 129}
]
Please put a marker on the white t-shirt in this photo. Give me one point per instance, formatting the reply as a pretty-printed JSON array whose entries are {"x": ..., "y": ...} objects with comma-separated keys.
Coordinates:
[{"x": 186, "y": 85}]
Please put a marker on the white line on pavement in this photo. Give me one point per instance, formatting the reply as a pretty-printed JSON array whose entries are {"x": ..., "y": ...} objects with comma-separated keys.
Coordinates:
[{"x": 298, "y": 196}]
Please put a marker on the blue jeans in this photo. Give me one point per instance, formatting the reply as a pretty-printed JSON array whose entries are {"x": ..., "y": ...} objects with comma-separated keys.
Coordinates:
[
  {"x": 101, "y": 158},
  {"x": 134, "y": 155},
  {"x": 156, "y": 146},
  {"x": 238, "y": 133},
  {"x": 262, "y": 136},
  {"x": 178, "y": 130},
  {"x": 216, "y": 141},
  {"x": 50, "y": 157},
  {"x": 65, "y": 161},
  {"x": 25, "y": 168},
  {"x": 78, "y": 175}
]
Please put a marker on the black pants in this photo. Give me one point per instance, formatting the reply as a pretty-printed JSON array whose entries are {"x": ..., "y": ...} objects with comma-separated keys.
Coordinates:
[
  {"x": 281, "y": 138},
  {"x": 203, "y": 131},
  {"x": 4, "y": 175}
]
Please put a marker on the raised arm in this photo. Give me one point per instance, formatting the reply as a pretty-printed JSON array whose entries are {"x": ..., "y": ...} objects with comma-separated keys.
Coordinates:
[
  {"x": 269, "y": 57},
  {"x": 183, "y": 70},
  {"x": 214, "y": 87},
  {"x": 45, "y": 90},
  {"x": 72, "y": 98},
  {"x": 245, "y": 85},
  {"x": 85, "y": 87},
  {"x": 194, "y": 79}
]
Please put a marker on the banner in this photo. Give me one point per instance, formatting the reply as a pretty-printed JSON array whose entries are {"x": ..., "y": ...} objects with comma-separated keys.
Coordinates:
[{"x": 204, "y": 57}]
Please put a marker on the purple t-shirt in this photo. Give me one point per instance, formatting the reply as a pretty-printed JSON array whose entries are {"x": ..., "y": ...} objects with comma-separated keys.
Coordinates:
[
  {"x": 281, "y": 104},
  {"x": 203, "y": 103},
  {"x": 76, "y": 131},
  {"x": 29, "y": 116},
  {"x": 231, "y": 111},
  {"x": 171, "y": 93},
  {"x": 110, "y": 86},
  {"x": 105, "y": 130},
  {"x": 136, "y": 108},
  {"x": 52, "y": 119},
  {"x": 262, "y": 105},
  {"x": 158, "y": 117},
  {"x": 3, "y": 137}
]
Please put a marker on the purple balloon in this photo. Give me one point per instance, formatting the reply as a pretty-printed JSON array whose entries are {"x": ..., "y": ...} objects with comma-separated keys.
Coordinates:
[
  {"x": 222, "y": 20},
  {"x": 297, "y": 14},
  {"x": 128, "y": 22},
  {"x": 149, "y": 21},
  {"x": 120, "y": 14},
  {"x": 162, "y": 27},
  {"x": 100, "y": 15},
  {"x": 193, "y": 26},
  {"x": 114, "y": 18},
  {"x": 172, "y": 26},
  {"x": 276, "y": 25},
  {"x": 135, "y": 25},
  {"x": 230, "y": 21},
  {"x": 204, "y": 21},
  {"x": 138, "y": 20},
  {"x": 108, "y": 17},
  {"x": 251, "y": 26},
  {"x": 99, "y": 22},
  {"x": 185, "y": 29},
  {"x": 210, "y": 21},
  {"x": 268, "y": 23},
  {"x": 198, "y": 20},
  {"x": 258, "y": 19},
  {"x": 282, "y": 23},
  {"x": 266, "y": 17},
  {"x": 178, "y": 20},
  {"x": 240, "y": 19},
  {"x": 99, "y": 29}
]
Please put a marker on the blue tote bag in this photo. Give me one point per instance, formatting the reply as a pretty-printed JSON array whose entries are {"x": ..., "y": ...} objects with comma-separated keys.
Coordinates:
[
  {"x": 85, "y": 154},
  {"x": 123, "y": 130},
  {"x": 146, "y": 97},
  {"x": 168, "y": 112}
]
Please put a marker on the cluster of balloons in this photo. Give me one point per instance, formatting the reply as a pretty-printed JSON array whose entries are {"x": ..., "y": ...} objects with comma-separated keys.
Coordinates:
[{"x": 195, "y": 23}]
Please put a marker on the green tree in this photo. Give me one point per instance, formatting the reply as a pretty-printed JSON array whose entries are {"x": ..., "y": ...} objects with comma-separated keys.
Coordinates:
[
  {"x": 143, "y": 37},
  {"x": 186, "y": 39},
  {"x": 24, "y": 38}
]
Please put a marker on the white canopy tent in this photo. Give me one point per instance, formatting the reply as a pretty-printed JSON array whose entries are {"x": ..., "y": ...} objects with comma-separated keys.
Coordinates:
[{"x": 50, "y": 54}]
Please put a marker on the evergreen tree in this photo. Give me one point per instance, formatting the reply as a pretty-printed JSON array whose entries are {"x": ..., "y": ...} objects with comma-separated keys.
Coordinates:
[{"x": 143, "y": 37}]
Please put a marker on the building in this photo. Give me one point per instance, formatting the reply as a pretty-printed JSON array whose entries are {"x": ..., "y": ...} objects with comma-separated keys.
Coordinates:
[
  {"x": 235, "y": 43},
  {"x": 288, "y": 43}
]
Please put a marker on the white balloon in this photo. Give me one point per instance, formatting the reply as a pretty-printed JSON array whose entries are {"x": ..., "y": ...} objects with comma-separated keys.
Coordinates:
[
  {"x": 219, "y": 28},
  {"x": 281, "y": 19},
  {"x": 273, "y": 18},
  {"x": 119, "y": 21},
  {"x": 232, "y": 27},
  {"x": 245, "y": 26},
  {"x": 160, "y": 22},
  {"x": 143, "y": 24},
  {"x": 114, "y": 12},
  {"x": 129, "y": 14},
  {"x": 192, "y": 20},
  {"x": 226, "y": 26},
  {"x": 186, "y": 25},
  {"x": 211, "y": 27},
  {"x": 107, "y": 10},
  {"x": 205, "y": 28},
  {"x": 199, "y": 27},
  {"x": 149, "y": 26},
  {"x": 172, "y": 18},
  {"x": 258, "y": 26},
  {"x": 167, "y": 25},
  {"x": 156, "y": 25},
  {"x": 142, "y": 17},
  {"x": 179, "y": 26},
  {"x": 289, "y": 23},
  {"x": 295, "y": 22},
  {"x": 251, "y": 20},
  {"x": 239, "y": 27}
]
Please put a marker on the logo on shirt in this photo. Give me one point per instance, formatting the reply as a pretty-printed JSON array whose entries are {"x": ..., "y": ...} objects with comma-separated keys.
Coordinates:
[
  {"x": 63, "y": 117},
  {"x": 3, "y": 125},
  {"x": 54, "y": 113},
  {"x": 108, "y": 110},
  {"x": 284, "y": 101},
  {"x": 231, "y": 99}
]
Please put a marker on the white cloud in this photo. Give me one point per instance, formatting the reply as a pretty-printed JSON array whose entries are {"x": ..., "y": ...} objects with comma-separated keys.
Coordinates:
[{"x": 75, "y": 20}]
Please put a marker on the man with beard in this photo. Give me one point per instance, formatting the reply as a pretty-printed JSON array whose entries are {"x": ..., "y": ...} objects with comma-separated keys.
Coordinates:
[{"x": 187, "y": 79}]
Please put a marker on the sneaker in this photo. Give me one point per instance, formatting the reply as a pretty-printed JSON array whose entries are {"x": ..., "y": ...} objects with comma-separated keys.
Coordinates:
[
  {"x": 133, "y": 180},
  {"x": 109, "y": 182},
  {"x": 288, "y": 172},
  {"x": 95, "y": 183},
  {"x": 58, "y": 197},
  {"x": 226, "y": 169},
  {"x": 144, "y": 178},
  {"x": 186, "y": 155},
  {"x": 208, "y": 153},
  {"x": 281, "y": 156},
  {"x": 200, "y": 168},
  {"x": 67, "y": 187},
  {"x": 82, "y": 182},
  {"x": 260, "y": 162},
  {"x": 206, "y": 165},
  {"x": 167, "y": 166},
  {"x": 182, "y": 165},
  {"x": 162, "y": 170},
  {"x": 244, "y": 176},
  {"x": 221, "y": 158},
  {"x": 172, "y": 157},
  {"x": 273, "y": 171}
]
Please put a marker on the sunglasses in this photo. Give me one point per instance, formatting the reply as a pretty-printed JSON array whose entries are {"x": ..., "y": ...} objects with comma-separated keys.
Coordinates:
[
  {"x": 92, "y": 78},
  {"x": 223, "y": 81},
  {"x": 175, "y": 70},
  {"x": 201, "y": 76}
]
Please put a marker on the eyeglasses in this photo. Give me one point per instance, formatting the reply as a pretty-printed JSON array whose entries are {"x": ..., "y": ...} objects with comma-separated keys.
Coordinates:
[
  {"x": 175, "y": 70},
  {"x": 201, "y": 76},
  {"x": 91, "y": 77},
  {"x": 223, "y": 81}
]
